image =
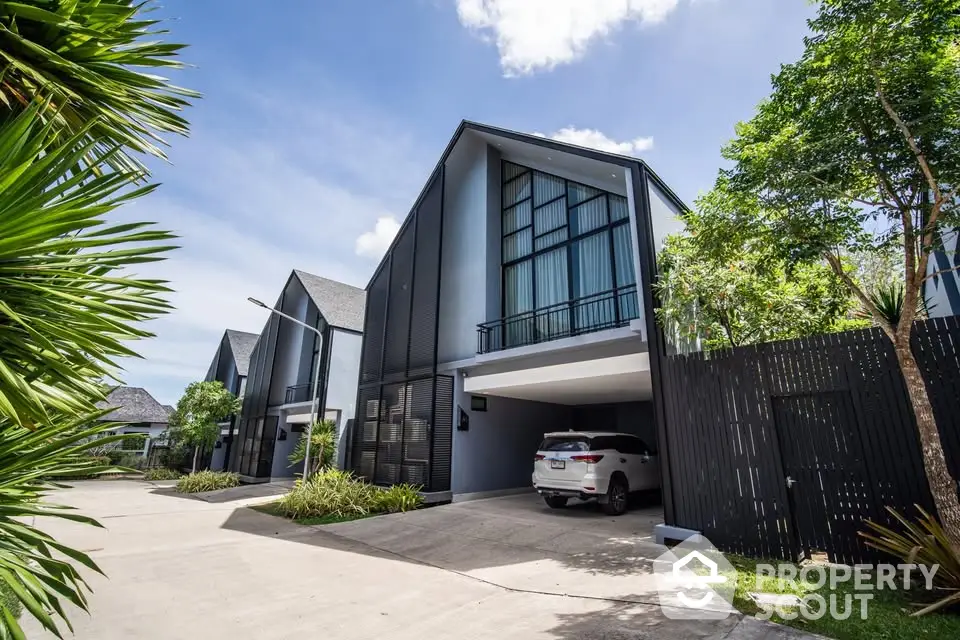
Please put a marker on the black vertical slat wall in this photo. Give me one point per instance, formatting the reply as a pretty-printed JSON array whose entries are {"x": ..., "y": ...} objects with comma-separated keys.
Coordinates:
[
  {"x": 831, "y": 412},
  {"x": 247, "y": 448},
  {"x": 404, "y": 421}
]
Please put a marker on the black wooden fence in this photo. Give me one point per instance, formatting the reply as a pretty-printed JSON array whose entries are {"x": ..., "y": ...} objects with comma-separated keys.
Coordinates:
[{"x": 829, "y": 416}]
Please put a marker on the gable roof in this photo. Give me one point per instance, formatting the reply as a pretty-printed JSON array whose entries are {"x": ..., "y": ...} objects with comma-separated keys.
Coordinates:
[
  {"x": 133, "y": 404},
  {"x": 241, "y": 344},
  {"x": 540, "y": 141},
  {"x": 341, "y": 305}
]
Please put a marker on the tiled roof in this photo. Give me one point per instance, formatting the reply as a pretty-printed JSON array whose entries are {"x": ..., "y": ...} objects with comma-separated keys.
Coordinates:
[
  {"x": 241, "y": 344},
  {"x": 134, "y": 404},
  {"x": 340, "y": 304}
]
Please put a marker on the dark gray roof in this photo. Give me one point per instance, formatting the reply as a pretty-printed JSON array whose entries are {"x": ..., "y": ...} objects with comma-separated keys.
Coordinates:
[
  {"x": 241, "y": 344},
  {"x": 340, "y": 304},
  {"x": 133, "y": 404}
]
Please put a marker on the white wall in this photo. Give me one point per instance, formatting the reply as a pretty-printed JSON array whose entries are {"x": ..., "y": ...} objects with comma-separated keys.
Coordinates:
[
  {"x": 941, "y": 292},
  {"x": 665, "y": 216},
  {"x": 281, "y": 467},
  {"x": 497, "y": 451},
  {"x": 463, "y": 303},
  {"x": 342, "y": 384},
  {"x": 286, "y": 364}
]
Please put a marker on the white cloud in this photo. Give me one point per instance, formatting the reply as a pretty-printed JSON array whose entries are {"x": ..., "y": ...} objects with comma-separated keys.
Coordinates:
[
  {"x": 594, "y": 139},
  {"x": 373, "y": 244},
  {"x": 541, "y": 34}
]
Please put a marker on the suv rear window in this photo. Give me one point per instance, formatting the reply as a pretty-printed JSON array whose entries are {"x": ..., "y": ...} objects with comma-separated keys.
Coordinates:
[{"x": 573, "y": 443}]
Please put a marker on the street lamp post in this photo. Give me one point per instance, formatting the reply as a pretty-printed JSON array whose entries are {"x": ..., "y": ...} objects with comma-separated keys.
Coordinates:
[{"x": 316, "y": 380}]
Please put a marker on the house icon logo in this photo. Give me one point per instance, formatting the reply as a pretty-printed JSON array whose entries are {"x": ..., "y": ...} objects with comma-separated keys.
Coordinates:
[{"x": 695, "y": 581}]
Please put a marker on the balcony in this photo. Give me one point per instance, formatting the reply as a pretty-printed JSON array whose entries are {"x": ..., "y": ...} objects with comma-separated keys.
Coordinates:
[
  {"x": 607, "y": 310},
  {"x": 300, "y": 393}
]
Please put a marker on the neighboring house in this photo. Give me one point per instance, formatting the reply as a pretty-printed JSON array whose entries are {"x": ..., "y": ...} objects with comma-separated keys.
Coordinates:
[
  {"x": 514, "y": 301},
  {"x": 277, "y": 398},
  {"x": 144, "y": 415},
  {"x": 942, "y": 291},
  {"x": 229, "y": 366}
]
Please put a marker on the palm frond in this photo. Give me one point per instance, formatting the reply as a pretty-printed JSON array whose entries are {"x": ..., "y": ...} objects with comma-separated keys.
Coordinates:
[
  {"x": 66, "y": 311},
  {"x": 89, "y": 55},
  {"x": 35, "y": 569}
]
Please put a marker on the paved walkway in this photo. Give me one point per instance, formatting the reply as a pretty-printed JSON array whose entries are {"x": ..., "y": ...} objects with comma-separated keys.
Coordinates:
[{"x": 182, "y": 568}]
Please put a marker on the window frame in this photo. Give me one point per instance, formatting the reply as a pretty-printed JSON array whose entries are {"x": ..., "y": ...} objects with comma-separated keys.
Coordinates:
[{"x": 608, "y": 227}]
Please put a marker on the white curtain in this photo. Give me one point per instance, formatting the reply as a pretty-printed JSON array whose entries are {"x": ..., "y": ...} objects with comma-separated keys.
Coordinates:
[
  {"x": 593, "y": 276},
  {"x": 589, "y": 216},
  {"x": 546, "y": 188},
  {"x": 626, "y": 274},
  {"x": 518, "y": 299},
  {"x": 552, "y": 288}
]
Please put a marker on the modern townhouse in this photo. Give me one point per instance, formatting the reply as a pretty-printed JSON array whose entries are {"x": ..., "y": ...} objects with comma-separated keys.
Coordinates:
[
  {"x": 229, "y": 365},
  {"x": 942, "y": 289},
  {"x": 514, "y": 301},
  {"x": 284, "y": 361}
]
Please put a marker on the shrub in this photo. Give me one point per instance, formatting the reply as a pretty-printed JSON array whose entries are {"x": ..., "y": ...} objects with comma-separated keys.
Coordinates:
[
  {"x": 160, "y": 473},
  {"x": 336, "y": 493},
  {"x": 322, "y": 446},
  {"x": 132, "y": 461},
  {"x": 330, "y": 492},
  {"x": 207, "y": 481},
  {"x": 100, "y": 461},
  {"x": 399, "y": 497},
  {"x": 922, "y": 542}
]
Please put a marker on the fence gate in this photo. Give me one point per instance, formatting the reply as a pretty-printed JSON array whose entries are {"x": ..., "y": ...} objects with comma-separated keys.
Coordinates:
[{"x": 829, "y": 489}]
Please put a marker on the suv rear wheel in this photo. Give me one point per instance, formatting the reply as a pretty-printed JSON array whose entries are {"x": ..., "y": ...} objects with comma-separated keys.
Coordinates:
[
  {"x": 555, "y": 502},
  {"x": 616, "y": 502}
]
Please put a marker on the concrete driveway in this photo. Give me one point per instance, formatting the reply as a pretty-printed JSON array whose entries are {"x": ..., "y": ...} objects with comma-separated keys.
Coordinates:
[{"x": 182, "y": 568}]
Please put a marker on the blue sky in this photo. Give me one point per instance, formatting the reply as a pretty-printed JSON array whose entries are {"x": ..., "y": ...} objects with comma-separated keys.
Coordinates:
[{"x": 321, "y": 121}]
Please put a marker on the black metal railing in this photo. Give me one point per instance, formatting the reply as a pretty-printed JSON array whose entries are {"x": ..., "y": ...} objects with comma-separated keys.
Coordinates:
[
  {"x": 299, "y": 393},
  {"x": 597, "y": 312}
]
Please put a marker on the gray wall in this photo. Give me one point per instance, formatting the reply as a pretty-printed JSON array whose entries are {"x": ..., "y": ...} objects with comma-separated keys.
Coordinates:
[
  {"x": 664, "y": 215},
  {"x": 497, "y": 452},
  {"x": 625, "y": 417},
  {"x": 463, "y": 297},
  {"x": 286, "y": 364},
  {"x": 281, "y": 466},
  {"x": 342, "y": 385}
]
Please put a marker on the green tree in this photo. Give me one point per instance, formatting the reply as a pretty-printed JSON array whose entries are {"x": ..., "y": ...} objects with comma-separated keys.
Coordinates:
[
  {"x": 322, "y": 446},
  {"x": 740, "y": 296},
  {"x": 855, "y": 151},
  {"x": 74, "y": 116},
  {"x": 200, "y": 409},
  {"x": 92, "y": 55}
]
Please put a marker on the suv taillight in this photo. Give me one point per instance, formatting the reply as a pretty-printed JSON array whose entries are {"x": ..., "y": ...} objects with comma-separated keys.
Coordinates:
[
  {"x": 592, "y": 458},
  {"x": 539, "y": 456}
]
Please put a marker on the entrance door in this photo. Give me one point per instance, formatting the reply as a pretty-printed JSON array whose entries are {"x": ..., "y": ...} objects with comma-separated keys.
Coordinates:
[{"x": 828, "y": 488}]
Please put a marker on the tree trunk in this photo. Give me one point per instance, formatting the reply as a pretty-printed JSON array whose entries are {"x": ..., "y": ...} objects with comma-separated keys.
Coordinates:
[
  {"x": 196, "y": 450},
  {"x": 942, "y": 485}
]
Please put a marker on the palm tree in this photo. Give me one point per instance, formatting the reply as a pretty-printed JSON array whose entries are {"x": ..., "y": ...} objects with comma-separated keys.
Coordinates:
[
  {"x": 66, "y": 308},
  {"x": 74, "y": 114},
  {"x": 85, "y": 54}
]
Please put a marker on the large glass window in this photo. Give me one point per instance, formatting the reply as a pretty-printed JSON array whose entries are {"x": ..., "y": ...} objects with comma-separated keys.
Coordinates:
[{"x": 567, "y": 257}]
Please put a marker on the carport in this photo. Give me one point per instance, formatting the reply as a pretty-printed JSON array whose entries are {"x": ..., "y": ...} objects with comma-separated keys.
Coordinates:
[{"x": 504, "y": 408}]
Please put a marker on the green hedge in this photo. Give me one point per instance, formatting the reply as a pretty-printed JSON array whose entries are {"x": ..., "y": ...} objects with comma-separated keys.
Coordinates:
[
  {"x": 336, "y": 493},
  {"x": 207, "y": 481},
  {"x": 161, "y": 473}
]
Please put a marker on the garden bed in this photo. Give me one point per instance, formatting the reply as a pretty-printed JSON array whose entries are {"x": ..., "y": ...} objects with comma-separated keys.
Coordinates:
[
  {"x": 273, "y": 509},
  {"x": 331, "y": 495}
]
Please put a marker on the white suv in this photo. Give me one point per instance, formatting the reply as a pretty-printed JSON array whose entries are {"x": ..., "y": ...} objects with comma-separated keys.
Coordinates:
[{"x": 588, "y": 464}]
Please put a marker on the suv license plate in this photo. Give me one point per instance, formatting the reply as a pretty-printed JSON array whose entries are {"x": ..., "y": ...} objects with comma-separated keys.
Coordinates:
[{"x": 558, "y": 464}]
